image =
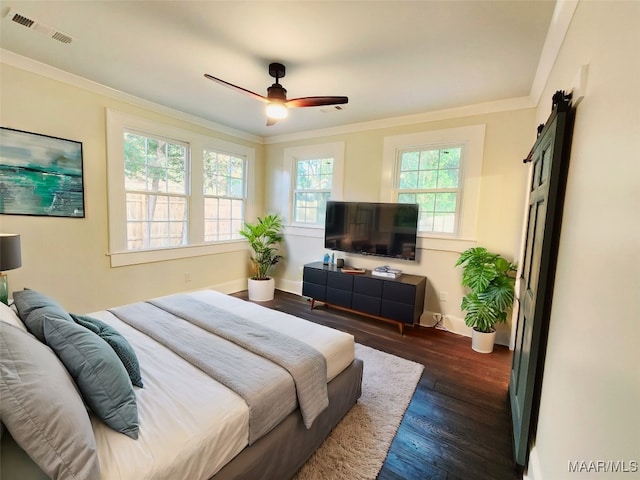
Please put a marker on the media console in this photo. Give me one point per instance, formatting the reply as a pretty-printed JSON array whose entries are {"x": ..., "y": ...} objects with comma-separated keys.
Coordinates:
[{"x": 399, "y": 300}]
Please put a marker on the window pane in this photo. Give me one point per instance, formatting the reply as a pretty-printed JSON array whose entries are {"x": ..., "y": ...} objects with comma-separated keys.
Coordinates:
[
  {"x": 410, "y": 161},
  {"x": 409, "y": 180},
  {"x": 426, "y": 201},
  {"x": 445, "y": 202},
  {"x": 444, "y": 223},
  {"x": 450, "y": 158},
  {"x": 156, "y": 179},
  {"x": 429, "y": 159},
  {"x": 427, "y": 179},
  {"x": 448, "y": 178}
]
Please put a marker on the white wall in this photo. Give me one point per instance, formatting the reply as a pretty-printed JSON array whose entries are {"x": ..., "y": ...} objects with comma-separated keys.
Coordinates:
[
  {"x": 590, "y": 404},
  {"x": 66, "y": 258},
  {"x": 508, "y": 139}
]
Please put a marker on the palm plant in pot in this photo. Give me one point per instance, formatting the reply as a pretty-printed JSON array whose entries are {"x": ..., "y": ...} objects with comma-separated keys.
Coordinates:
[
  {"x": 264, "y": 236},
  {"x": 491, "y": 280}
]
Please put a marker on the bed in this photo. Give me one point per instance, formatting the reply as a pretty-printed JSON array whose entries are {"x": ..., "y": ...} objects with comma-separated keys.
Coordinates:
[{"x": 190, "y": 423}]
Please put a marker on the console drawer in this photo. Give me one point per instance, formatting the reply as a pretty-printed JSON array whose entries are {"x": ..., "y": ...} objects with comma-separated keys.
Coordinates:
[
  {"x": 313, "y": 275},
  {"x": 315, "y": 291},
  {"x": 367, "y": 286},
  {"x": 366, "y": 304},
  {"x": 399, "y": 292},
  {"x": 338, "y": 297},
  {"x": 340, "y": 281},
  {"x": 402, "y": 312}
]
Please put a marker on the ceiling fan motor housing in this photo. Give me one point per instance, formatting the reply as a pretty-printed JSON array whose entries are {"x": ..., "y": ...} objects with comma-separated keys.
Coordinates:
[{"x": 277, "y": 92}]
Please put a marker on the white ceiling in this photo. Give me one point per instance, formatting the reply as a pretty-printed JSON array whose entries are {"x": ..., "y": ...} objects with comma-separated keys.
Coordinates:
[{"x": 391, "y": 58}]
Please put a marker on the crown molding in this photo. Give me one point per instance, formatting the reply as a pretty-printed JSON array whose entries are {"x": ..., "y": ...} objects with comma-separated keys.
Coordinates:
[
  {"x": 560, "y": 21},
  {"x": 505, "y": 105},
  {"x": 24, "y": 63}
]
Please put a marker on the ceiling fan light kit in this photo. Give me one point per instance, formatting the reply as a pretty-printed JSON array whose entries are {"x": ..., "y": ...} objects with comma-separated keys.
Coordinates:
[
  {"x": 276, "y": 99},
  {"x": 277, "y": 110}
]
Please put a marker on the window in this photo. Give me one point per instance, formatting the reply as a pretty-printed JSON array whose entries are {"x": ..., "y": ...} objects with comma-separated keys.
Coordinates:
[
  {"x": 314, "y": 175},
  {"x": 314, "y": 179},
  {"x": 431, "y": 178},
  {"x": 224, "y": 195},
  {"x": 156, "y": 189},
  {"x": 439, "y": 170},
  {"x": 174, "y": 193}
]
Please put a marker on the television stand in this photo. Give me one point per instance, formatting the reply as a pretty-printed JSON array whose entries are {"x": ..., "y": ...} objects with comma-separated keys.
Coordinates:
[{"x": 396, "y": 300}]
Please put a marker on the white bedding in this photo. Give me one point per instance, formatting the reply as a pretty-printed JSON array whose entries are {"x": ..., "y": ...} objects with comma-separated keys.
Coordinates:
[{"x": 190, "y": 425}]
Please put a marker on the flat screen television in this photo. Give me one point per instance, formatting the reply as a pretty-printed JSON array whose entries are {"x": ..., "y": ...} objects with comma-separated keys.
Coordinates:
[{"x": 383, "y": 229}]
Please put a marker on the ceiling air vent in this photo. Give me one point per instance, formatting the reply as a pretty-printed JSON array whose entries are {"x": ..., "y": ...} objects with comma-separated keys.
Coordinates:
[{"x": 38, "y": 26}]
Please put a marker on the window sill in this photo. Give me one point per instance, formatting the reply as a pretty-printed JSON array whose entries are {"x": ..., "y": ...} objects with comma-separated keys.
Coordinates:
[
  {"x": 445, "y": 244},
  {"x": 121, "y": 259},
  {"x": 299, "y": 230}
]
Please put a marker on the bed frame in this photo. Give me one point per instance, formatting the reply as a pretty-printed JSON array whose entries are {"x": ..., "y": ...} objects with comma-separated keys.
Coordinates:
[{"x": 293, "y": 442}]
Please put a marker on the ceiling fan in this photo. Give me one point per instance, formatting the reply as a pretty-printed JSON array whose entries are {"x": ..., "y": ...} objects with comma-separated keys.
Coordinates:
[{"x": 276, "y": 99}]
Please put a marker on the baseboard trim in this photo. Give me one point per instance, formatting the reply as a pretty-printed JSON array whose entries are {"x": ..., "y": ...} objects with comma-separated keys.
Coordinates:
[{"x": 533, "y": 469}]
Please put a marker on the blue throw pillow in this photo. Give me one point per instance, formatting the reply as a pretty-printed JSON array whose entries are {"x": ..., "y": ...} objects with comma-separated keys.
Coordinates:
[
  {"x": 98, "y": 373},
  {"x": 120, "y": 345},
  {"x": 33, "y": 307}
]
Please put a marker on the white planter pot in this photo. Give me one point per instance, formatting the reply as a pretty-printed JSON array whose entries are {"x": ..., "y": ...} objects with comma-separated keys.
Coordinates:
[
  {"x": 261, "y": 290},
  {"x": 482, "y": 342}
]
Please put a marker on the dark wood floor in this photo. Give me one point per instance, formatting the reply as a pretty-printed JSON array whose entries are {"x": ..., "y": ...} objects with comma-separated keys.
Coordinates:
[{"x": 457, "y": 425}]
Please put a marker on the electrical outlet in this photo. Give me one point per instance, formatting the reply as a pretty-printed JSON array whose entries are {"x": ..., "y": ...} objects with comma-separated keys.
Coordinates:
[
  {"x": 187, "y": 276},
  {"x": 444, "y": 296}
]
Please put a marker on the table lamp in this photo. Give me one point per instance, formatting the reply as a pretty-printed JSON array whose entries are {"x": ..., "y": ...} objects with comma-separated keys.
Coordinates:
[{"x": 10, "y": 258}]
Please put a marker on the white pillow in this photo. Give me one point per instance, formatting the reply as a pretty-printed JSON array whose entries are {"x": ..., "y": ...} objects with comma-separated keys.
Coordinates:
[{"x": 8, "y": 315}]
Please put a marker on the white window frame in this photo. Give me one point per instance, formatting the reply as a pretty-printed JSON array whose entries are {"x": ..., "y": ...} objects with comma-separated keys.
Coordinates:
[
  {"x": 296, "y": 190},
  {"x": 459, "y": 191},
  {"x": 117, "y": 124},
  {"x": 471, "y": 139},
  {"x": 243, "y": 198},
  {"x": 333, "y": 150},
  {"x": 186, "y": 194}
]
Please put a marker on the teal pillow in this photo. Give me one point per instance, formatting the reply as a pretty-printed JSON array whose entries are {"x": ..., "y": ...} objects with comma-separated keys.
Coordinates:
[
  {"x": 33, "y": 307},
  {"x": 123, "y": 349},
  {"x": 98, "y": 373}
]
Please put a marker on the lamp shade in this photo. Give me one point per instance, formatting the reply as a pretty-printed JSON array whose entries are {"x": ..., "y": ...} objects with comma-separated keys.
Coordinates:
[{"x": 10, "y": 256}]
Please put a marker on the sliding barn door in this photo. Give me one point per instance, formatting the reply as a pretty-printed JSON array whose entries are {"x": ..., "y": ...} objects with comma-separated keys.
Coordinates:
[{"x": 549, "y": 157}]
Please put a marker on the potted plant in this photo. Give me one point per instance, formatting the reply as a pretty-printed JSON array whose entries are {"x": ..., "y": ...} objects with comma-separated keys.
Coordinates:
[
  {"x": 491, "y": 281},
  {"x": 264, "y": 236}
]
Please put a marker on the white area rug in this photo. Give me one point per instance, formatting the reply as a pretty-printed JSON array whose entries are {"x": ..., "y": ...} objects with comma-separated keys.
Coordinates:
[{"x": 357, "y": 447}]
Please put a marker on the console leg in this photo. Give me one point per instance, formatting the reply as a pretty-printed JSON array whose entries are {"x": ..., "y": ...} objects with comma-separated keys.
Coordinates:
[{"x": 313, "y": 302}]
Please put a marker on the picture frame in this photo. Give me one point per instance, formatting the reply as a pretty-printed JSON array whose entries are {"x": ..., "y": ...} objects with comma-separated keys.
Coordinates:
[{"x": 40, "y": 175}]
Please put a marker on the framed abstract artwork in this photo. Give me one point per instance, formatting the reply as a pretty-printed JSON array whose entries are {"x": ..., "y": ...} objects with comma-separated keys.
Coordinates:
[{"x": 40, "y": 175}]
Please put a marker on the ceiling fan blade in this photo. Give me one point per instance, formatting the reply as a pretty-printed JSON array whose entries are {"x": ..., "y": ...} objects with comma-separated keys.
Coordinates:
[
  {"x": 271, "y": 121},
  {"x": 315, "y": 101},
  {"x": 257, "y": 96}
]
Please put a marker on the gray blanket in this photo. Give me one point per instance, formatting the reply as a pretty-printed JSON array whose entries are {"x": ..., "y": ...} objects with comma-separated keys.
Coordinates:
[{"x": 242, "y": 355}]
